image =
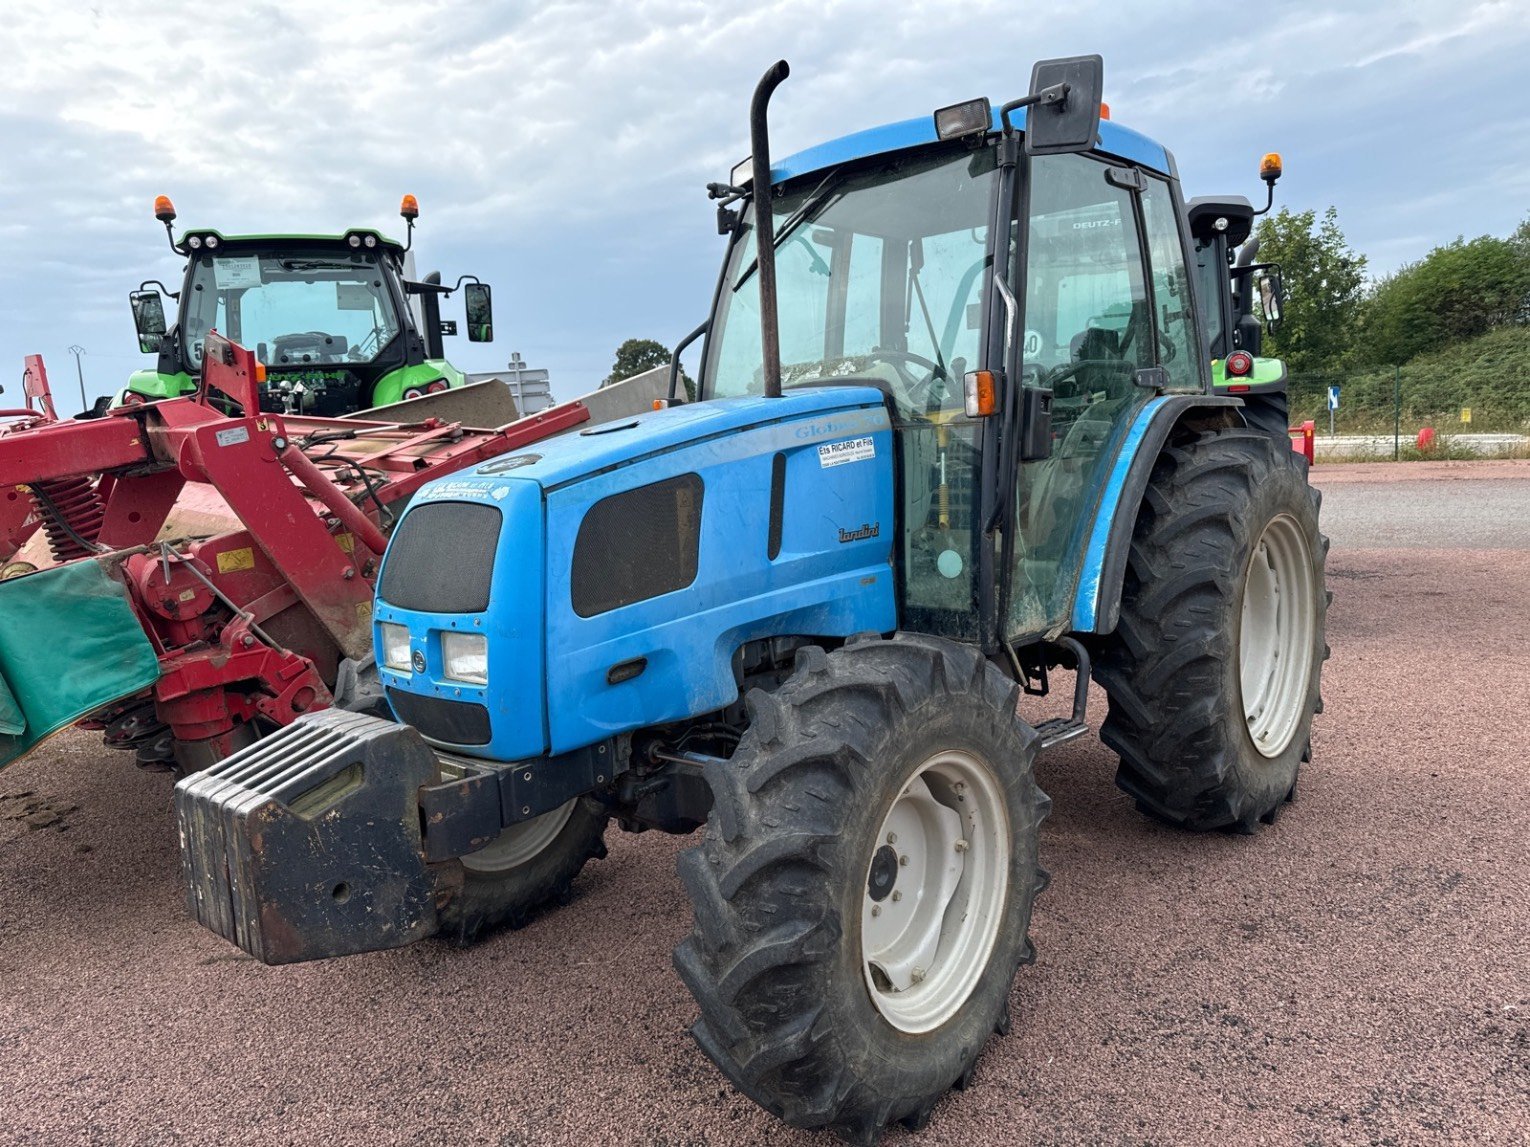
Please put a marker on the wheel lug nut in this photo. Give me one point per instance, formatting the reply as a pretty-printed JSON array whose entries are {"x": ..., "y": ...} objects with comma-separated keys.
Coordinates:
[
  {"x": 876, "y": 910},
  {"x": 892, "y": 838},
  {"x": 961, "y": 846},
  {"x": 897, "y": 895},
  {"x": 917, "y": 975},
  {"x": 903, "y": 861}
]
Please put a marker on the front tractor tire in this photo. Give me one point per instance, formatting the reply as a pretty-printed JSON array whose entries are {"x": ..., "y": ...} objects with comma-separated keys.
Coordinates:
[
  {"x": 863, "y": 891},
  {"x": 1212, "y": 673},
  {"x": 527, "y": 868}
]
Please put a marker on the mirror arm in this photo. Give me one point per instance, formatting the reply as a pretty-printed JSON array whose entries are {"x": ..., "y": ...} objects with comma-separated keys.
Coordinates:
[
  {"x": 1052, "y": 95},
  {"x": 176, "y": 295},
  {"x": 463, "y": 279}
]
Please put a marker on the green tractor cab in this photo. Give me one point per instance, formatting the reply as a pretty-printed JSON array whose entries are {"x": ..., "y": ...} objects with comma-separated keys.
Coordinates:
[
  {"x": 1227, "y": 279},
  {"x": 339, "y": 321}
]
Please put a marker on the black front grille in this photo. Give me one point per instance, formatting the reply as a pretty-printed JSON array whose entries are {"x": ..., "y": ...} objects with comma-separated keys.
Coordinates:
[
  {"x": 441, "y": 558},
  {"x": 637, "y": 544},
  {"x": 451, "y": 722}
]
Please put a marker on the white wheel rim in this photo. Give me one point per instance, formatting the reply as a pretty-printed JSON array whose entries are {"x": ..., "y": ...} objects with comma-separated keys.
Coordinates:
[
  {"x": 520, "y": 842},
  {"x": 935, "y": 892},
  {"x": 1275, "y": 635}
]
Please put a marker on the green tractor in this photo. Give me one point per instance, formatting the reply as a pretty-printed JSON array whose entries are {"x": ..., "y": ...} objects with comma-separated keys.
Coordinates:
[
  {"x": 339, "y": 321},
  {"x": 1227, "y": 280}
]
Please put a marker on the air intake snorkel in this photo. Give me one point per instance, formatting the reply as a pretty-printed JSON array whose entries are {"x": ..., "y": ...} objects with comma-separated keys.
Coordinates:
[{"x": 764, "y": 226}]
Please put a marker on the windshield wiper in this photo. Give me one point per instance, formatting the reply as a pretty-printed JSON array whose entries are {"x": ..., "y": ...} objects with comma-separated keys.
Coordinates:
[
  {"x": 826, "y": 193},
  {"x": 316, "y": 265}
]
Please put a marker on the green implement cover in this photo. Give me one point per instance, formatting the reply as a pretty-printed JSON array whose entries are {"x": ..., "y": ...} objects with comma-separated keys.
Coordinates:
[{"x": 69, "y": 644}]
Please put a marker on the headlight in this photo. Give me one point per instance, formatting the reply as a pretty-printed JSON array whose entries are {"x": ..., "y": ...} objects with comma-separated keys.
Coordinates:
[
  {"x": 466, "y": 656},
  {"x": 395, "y": 646}
]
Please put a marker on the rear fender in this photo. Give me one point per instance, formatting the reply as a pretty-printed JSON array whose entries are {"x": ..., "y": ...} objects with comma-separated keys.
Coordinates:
[{"x": 1097, "y": 601}]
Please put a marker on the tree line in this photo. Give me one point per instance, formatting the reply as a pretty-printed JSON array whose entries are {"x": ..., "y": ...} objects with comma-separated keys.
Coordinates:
[{"x": 1335, "y": 319}]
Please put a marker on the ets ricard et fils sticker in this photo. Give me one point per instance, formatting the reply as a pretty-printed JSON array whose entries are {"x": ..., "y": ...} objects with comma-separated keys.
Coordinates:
[{"x": 851, "y": 450}]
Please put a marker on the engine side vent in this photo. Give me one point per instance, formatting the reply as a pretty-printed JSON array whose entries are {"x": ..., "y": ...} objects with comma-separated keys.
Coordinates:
[
  {"x": 637, "y": 544},
  {"x": 441, "y": 558}
]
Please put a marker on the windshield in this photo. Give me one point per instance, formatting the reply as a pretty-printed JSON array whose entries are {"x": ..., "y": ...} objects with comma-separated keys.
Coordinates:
[
  {"x": 293, "y": 307},
  {"x": 879, "y": 275}
]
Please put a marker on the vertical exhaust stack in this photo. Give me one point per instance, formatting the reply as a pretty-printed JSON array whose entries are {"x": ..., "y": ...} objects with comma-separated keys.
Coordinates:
[{"x": 764, "y": 225}]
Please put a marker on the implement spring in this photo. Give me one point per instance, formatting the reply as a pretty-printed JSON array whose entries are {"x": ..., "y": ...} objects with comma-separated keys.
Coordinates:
[{"x": 71, "y": 513}]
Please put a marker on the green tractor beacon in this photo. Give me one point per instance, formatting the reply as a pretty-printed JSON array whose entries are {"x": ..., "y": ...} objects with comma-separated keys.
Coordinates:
[
  {"x": 956, "y": 429},
  {"x": 338, "y": 321}
]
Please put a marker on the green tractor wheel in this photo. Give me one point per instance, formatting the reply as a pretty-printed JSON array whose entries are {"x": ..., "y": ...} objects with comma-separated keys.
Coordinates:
[{"x": 863, "y": 892}]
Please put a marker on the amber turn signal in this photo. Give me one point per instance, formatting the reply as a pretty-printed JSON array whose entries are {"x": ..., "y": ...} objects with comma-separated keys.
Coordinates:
[{"x": 980, "y": 392}]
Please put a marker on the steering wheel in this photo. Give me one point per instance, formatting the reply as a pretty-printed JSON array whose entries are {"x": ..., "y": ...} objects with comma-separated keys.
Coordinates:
[
  {"x": 899, "y": 359},
  {"x": 1068, "y": 370}
]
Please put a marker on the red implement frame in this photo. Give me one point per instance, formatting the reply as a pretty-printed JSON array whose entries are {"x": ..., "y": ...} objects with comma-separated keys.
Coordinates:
[{"x": 251, "y": 624}]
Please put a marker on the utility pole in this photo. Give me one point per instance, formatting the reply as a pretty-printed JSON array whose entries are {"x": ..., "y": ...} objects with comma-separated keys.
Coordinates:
[
  {"x": 518, "y": 364},
  {"x": 77, "y": 350}
]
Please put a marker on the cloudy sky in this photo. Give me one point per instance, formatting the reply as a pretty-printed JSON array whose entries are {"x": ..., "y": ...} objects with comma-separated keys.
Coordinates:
[{"x": 559, "y": 149}]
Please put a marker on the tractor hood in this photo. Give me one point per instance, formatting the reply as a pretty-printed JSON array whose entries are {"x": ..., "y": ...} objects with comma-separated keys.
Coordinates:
[{"x": 602, "y": 581}]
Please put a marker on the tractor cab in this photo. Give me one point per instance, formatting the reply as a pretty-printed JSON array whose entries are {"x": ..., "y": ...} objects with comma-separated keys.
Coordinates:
[
  {"x": 1018, "y": 307},
  {"x": 338, "y": 321}
]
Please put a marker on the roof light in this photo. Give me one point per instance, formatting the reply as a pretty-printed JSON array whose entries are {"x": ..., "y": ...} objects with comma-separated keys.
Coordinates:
[
  {"x": 742, "y": 172},
  {"x": 212, "y": 241},
  {"x": 980, "y": 393},
  {"x": 353, "y": 240},
  {"x": 1239, "y": 363},
  {"x": 194, "y": 242},
  {"x": 1269, "y": 167},
  {"x": 974, "y": 117},
  {"x": 409, "y": 208},
  {"x": 164, "y": 210},
  {"x": 370, "y": 240},
  {"x": 1104, "y": 110}
]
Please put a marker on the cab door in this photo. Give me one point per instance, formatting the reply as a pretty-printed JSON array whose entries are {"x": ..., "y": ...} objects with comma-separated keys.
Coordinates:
[{"x": 1108, "y": 324}]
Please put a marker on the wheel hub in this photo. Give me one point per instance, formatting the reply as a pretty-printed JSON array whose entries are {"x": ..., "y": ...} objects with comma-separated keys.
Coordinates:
[
  {"x": 935, "y": 892},
  {"x": 884, "y": 874},
  {"x": 1275, "y": 635}
]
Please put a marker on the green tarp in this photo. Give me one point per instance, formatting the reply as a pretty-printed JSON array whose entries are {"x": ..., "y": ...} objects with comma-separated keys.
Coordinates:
[{"x": 69, "y": 643}]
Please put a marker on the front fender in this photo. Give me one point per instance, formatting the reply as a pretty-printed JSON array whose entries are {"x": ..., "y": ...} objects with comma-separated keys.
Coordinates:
[{"x": 1097, "y": 601}]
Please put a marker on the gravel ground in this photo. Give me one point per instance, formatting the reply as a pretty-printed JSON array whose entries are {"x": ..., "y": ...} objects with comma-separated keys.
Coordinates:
[{"x": 1360, "y": 973}]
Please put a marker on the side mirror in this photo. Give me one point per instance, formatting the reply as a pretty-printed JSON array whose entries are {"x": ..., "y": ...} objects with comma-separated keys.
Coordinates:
[
  {"x": 1066, "y": 114},
  {"x": 1272, "y": 296},
  {"x": 149, "y": 319},
  {"x": 480, "y": 312}
]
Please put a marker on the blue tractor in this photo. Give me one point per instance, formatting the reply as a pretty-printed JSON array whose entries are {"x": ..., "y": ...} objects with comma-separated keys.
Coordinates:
[{"x": 956, "y": 429}]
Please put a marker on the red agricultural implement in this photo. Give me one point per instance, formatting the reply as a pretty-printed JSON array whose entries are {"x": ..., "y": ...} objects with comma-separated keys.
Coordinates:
[{"x": 250, "y": 626}]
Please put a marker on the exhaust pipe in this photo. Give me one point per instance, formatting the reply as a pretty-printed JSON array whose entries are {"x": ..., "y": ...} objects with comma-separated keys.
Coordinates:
[{"x": 764, "y": 226}]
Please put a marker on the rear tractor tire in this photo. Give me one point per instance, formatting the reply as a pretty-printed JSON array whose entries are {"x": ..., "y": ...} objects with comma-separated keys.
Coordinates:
[
  {"x": 528, "y": 867},
  {"x": 863, "y": 891},
  {"x": 1212, "y": 673},
  {"x": 1271, "y": 413}
]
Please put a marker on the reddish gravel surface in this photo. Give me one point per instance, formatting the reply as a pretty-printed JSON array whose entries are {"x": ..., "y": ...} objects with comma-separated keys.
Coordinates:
[{"x": 1358, "y": 974}]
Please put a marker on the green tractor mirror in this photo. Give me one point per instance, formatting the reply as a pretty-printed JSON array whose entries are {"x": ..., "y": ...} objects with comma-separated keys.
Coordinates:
[
  {"x": 480, "y": 312},
  {"x": 1272, "y": 296},
  {"x": 149, "y": 319}
]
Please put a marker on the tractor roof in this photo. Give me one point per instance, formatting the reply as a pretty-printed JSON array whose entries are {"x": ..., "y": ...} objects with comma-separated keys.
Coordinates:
[
  {"x": 1116, "y": 140},
  {"x": 337, "y": 240}
]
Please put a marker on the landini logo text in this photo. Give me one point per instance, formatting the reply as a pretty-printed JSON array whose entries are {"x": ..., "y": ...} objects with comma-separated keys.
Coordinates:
[{"x": 861, "y": 534}]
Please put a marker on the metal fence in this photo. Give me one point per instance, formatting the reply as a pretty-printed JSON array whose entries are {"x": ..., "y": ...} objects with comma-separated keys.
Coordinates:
[{"x": 1381, "y": 412}]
